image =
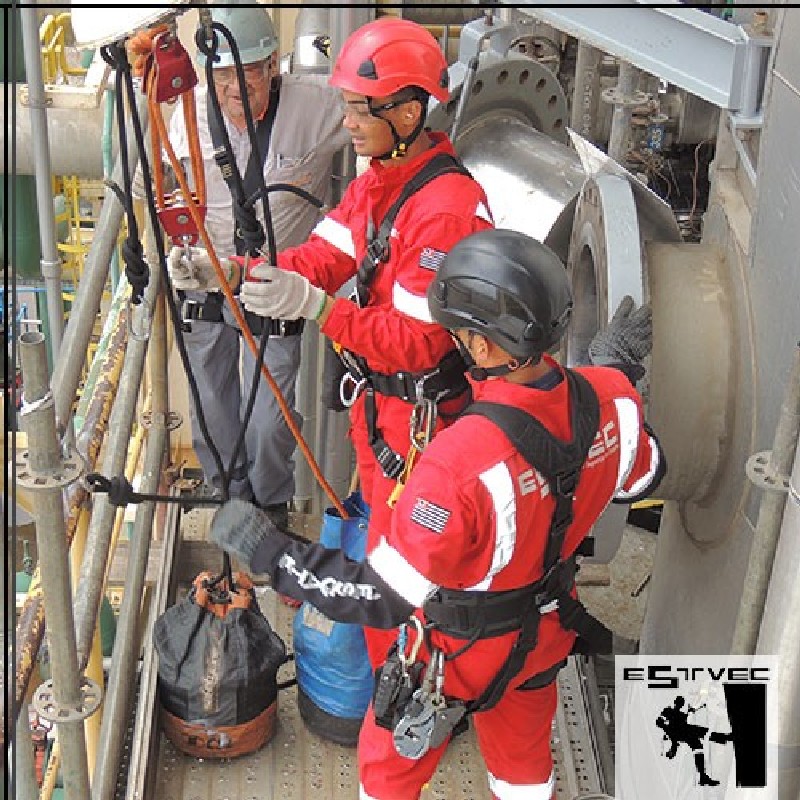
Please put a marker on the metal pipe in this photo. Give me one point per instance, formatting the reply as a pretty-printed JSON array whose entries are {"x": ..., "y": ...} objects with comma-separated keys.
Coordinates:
[
  {"x": 51, "y": 545},
  {"x": 65, "y": 127},
  {"x": 780, "y": 635},
  {"x": 770, "y": 513},
  {"x": 587, "y": 90},
  {"x": 627, "y": 81},
  {"x": 343, "y": 21},
  {"x": 308, "y": 404},
  {"x": 93, "y": 568},
  {"x": 108, "y": 165},
  {"x": 30, "y": 623},
  {"x": 123, "y": 666},
  {"x": 50, "y": 259},
  {"x": 94, "y": 668},
  {"x": 67, "y": 371},
  {"x": 24, "y": 767}
]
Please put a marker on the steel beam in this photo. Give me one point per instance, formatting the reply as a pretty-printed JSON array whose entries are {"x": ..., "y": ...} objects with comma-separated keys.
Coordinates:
[{"x": 719, "y": 61}]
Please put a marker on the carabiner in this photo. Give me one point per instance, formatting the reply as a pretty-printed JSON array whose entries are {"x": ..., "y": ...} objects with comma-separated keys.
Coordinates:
[
  {"x": 422, "y": 423},
  {"x": 418, "y": 640}
]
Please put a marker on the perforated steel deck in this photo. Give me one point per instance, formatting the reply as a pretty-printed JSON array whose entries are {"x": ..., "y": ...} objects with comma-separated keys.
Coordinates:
[{"x": 298, "y": 765}]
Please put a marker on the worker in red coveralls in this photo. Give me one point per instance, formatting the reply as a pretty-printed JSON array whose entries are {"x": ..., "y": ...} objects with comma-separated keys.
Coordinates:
[
  {"x": 387, "y": 71},
  {"x": 481, "y": 547}
]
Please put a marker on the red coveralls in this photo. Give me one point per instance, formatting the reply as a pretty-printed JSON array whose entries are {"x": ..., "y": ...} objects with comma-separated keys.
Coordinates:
[
  {"x": 394, "y": 332},
  {"x": 475, "y": 515}
]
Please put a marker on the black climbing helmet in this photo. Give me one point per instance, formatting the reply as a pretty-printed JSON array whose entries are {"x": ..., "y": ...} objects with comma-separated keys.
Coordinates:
[{"x": 506, "y": 286}]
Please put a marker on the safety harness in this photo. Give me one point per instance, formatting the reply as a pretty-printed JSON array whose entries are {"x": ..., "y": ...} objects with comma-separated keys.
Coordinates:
[
  {"x": 249, "y": 236},
  {"x": 443, "y": 382},
  {"x": 475, "y": 615}
]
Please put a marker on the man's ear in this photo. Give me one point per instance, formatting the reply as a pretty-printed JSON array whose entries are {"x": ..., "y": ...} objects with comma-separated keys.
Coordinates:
[{"x": 481, "y": 348}]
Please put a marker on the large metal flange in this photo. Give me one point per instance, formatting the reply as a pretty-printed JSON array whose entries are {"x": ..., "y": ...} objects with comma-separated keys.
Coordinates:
[
  {"x": 515, "y": 86},
  {"x": 604, "y": 264},
  {"x": 604, "y": 261},
  {"x": 692, "y": 368},
  {"x": 47, "y": 707},
  {"x": 68, "y": 472}
]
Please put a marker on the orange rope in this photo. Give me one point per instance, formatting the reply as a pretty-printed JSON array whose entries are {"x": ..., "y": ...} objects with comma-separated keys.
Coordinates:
[{"x": 191, "y": 204}]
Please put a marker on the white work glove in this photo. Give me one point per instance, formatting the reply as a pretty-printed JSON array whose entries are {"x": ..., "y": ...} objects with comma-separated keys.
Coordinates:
[
  {"x": 197, "y": 272},
  {"x": 281, "y": 295},
  {"x": 628, "y": 337}
]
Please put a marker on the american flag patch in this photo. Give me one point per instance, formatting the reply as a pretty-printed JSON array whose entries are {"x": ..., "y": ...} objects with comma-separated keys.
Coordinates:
[
  {"x": 429, "y": 515},
  {"x": 431, "y": 258}
]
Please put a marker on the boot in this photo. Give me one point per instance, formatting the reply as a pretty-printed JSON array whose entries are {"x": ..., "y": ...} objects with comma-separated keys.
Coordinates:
[{"x": 700, "y": 763}]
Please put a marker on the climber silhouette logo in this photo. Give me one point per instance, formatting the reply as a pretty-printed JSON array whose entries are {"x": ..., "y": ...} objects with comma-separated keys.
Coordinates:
[{"x": 694, "y": 727}]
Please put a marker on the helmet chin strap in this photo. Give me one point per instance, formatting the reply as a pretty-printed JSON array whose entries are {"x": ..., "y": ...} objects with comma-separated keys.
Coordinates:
[
  {"x": 482, "y": 373},
  {"x": 401, "y": 144}
]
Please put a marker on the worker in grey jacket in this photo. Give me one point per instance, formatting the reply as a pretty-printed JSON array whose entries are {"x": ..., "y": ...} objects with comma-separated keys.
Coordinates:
[{"x": 306, "y": 131}]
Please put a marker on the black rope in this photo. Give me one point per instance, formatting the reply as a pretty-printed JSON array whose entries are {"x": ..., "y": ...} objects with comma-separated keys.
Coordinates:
[
  {"x": 119, "y": 489},
  {"x": 120, "y": 493},
  {"x": 116, "y": 56},
  {"x": 136, "y": 269}
]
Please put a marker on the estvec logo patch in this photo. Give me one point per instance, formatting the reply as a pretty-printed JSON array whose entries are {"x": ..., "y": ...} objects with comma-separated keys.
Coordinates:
[{"x": 695, "y": 727}]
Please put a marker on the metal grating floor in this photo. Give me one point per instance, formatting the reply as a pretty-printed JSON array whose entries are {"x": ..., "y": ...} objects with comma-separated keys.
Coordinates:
[{"x": 298, "y": 765}]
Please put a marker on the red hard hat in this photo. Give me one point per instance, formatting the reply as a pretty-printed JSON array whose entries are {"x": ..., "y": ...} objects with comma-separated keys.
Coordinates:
[{"x": 386, "y": 55}]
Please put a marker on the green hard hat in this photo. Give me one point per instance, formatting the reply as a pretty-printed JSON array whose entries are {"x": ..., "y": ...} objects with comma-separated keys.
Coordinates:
[{"x": 252, "y": 30}]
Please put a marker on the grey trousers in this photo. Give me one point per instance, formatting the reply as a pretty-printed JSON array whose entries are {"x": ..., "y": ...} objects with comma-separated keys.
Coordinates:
[{"x": 264, "y": 470}]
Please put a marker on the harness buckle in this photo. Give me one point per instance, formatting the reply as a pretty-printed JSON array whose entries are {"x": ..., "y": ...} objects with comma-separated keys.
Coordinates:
[
  {"x": 391, "y": 463},
  {"x": 355, "y": 386},
  {"x": 566, "y": 482},
  {"x": 377, "y": 251}
]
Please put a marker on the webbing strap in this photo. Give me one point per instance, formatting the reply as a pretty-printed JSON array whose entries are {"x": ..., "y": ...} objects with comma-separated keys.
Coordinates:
[
  {"x": 248, "y": 235},
  {"x": 558, "y": 461},
  {"x": 377, "y": 250}
]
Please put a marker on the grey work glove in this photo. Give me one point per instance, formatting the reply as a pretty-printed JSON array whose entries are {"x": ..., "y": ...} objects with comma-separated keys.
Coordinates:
[
  {"x": 628, "y": 337},
  {"x": 280, "y": 294},
  {"x": 239, "y": 528},
  {"x": 194, "y": 271}
]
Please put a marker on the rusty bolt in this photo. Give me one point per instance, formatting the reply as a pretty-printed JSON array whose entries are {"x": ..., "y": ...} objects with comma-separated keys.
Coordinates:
[
  {"x": 177, "y": 82},
  {"x": 182, "y": 219}
]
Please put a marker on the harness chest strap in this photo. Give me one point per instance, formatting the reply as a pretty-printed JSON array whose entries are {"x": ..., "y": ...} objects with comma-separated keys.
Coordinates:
[{"x": 445, "y": 381}]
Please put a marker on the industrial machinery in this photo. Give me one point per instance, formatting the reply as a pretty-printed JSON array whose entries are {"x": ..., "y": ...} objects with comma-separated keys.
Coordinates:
[{"x": 654, "y": 150}]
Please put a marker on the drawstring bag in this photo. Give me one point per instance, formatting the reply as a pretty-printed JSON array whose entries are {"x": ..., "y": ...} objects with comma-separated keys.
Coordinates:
[
  {"x": 334, "y": 676},
  {"x": 218, "y": 660}
]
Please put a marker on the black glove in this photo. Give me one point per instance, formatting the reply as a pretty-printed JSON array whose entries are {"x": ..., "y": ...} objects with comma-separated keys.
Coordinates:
[
  {"x": 628, "y": 337},
  {"x": 239, "y": 528}
]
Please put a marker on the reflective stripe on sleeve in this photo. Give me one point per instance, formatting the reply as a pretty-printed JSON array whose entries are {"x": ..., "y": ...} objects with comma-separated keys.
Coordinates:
[
  {"x": 483, "y": 213},
  {"x": 521, "y": 791},
  {"x": 412, "y": 305},
  {"x": 337, "y": 234},
  {"x": 642, "y": 483},
  {"x": 405, "y": 579},
  {"x": 628, "y": 416},
  {"x": 500, "y": 486}
]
